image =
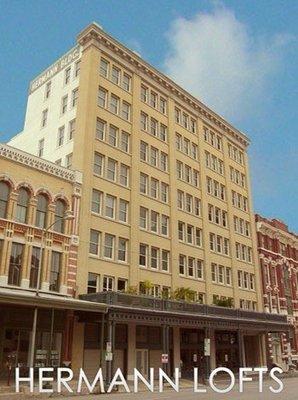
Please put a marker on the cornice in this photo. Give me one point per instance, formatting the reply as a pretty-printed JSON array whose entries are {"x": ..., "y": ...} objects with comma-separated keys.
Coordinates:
[
  {"x": 276, "y": 233},
  {"x": 94, "y": 32},
  {"x": 15, "y": 155}
]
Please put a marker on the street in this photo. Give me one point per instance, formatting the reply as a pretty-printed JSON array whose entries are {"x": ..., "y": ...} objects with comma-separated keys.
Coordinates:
[{"x": 250, "y": 392}]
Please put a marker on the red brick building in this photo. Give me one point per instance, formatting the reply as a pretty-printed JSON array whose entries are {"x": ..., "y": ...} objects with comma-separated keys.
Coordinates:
[{"x": 278, "y": 252}]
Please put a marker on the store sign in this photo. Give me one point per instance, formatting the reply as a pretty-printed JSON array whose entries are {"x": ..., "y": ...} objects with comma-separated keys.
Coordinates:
[
  {"x": 65, "y": 60},
  {"x": 207, "y": 347},
  {"x": 164, "y": 358}
]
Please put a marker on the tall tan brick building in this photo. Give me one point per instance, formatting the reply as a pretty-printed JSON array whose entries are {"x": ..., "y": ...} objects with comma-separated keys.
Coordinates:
[{"x": 166, "y": 206}]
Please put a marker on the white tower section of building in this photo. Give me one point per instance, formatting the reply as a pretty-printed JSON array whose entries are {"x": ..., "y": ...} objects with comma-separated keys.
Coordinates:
[{"x": 51, "y": 111}]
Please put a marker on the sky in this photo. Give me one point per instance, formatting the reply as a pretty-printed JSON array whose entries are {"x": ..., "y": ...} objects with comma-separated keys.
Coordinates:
[{"x": 238, "y": 57}]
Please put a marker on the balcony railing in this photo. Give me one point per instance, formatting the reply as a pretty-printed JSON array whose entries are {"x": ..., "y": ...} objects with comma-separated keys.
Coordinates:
[{"x": 156, "y": 304}]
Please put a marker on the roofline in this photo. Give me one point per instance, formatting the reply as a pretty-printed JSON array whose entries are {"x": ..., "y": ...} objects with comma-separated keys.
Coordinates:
[{"x": 94, "y": 31}]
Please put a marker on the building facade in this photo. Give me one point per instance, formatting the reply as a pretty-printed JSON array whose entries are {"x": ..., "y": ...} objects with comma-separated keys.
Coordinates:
[
  {"x": 278, "y": 252},
  {"x": 39, "y": 209},
  {"x": 166, "y": 205}
]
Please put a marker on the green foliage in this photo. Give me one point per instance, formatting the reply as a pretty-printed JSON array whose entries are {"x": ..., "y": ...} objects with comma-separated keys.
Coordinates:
[{"x": 223, "y": 302}]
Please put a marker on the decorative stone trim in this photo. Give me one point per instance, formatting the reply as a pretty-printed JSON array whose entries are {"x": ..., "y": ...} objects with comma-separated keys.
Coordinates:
[
  {"x": 40, "y": 164},
  {"x": 94, "y": 32}
]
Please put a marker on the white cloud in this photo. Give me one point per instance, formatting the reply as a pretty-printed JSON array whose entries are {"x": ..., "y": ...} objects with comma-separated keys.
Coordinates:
[{"x": 218, "y": 59}]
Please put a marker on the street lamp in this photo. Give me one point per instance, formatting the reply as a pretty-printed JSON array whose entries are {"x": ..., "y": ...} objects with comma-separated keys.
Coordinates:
[{"x": 44, "y": 231}]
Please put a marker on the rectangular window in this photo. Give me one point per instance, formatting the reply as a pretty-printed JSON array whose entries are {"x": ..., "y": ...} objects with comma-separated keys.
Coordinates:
[
  {"x": 77, "y": 69},
  {"x": 164, "y": 225},
  {"x": 110, "y": 206},
  {"x": 98, "y": 164},
  {"x": 143, "y": 183},
  {"x": 143, "y": 151},
  {"x": 111, "y": 170},
  {"x": 40, "y": 148},
  {"x": 100, "y": 129},
  {"x": 102, "y": 97},
  {"x": 74, "y": 97},
  {"x": 144, "y": 121},
  {"x": 144, "y": 94},
  {"x": 153, "y": 156},
  {"x": 113, "y": 134},
  {"x": 68, "y": 160},
  {"x": 154, "y": 259},
  {"x": 15, "y": 264},
  {"x": 104, "y": 68},
  {"x": 34, "y": 267},
  {"x": 115, "y": 76},
  {"x": 197, "y": 206},
  {"x": 189, "y": 236},
  {"x": 48, "y": 90},
  {"x": 67, "y": 76},
  {"x": 125, "y": 112},
  {"x": 182, "y": 262},
  {"x": 108, "y": 284},
  {"x": 93, "y": 283},
  {"x": 109, "y": 246},
  {"x": 96, "y": 201},
  {"x": 153, "y": 99},
  {"x": 162, "y": 105},
  {"x": 122, "y": 249},
  {"x": 154, "y": 221},
  {"x": 55, "y": 271},
  {"x": 124, "y": 143},
  {"x": 44, "y": 118},
  {"x": 191, "y": 263},
  {"x": 165, "y": 260},
  {"x": 124, "y": 175},
  {"x": 123, "y": 210},
  {"x": 200, "y": 272},
  {"x": 114, "y": 104},
  {"x": 126, "y": 82},
  {"x": 164, "y": 192},
  {"x": 71, "y": 129},
  {"x": 163, "y": 132},
  {"x": 60, "y": 138},
  {"x": 188, "y": 203},
  {"x": 163, "y": 161},
  {"x": 180, "y": 199},
  {"x": 153, "y": 126},
  {"x": 154, "y": 188},
  {"x": 143, "y": 217},
  {"x": 143, "y": 255},
  {"x": 94, "y": 242},
  {"x": 180, "y": 230}
]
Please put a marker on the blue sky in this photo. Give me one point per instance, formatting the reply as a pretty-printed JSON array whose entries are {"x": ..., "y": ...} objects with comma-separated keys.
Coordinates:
[{"x": 240, "y": 57}]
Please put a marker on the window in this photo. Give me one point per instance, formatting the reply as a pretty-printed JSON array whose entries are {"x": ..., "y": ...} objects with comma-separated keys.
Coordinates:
[
  {"x": 60, "y": 209},
  {"x": 121, "y": 285},
  {"x": 113, "y": 133},
  {"x": 110, "y": 206},
  {"x": 154, "y": 188},
  {"x": 64, "y": 104},
  {"x": 164, "y": 191},
  {"x": 153, "y": 126},
  {"x": 67, "y": 76},
  {"x": 178, "y": 141},
  {"x": 15, "y": 264},
  {"x": 40, "y": 147},
  {"x": 180, "y": 230},
  {"x": 126, "y": 81},
  {"x": 220, "y": 274},
  {"x": 104, "y": 68},
  {"x": 162, "y": 105},
  {"x": 108, "y": 283},
  {"x": 197, "y": 206},
  {"x": 55, "y": 271},
  {"x": 114, "y": 104},
  {"x": 165, "y": 260},
  {"x": 60, "y": 139},
  {"x": 102, "y": 97},
  {"x": 41, "y": 211},
  {"x": 68, "y": 161},
  {"x": 123, "y": 210},
  {"x": 48, "y": 90},
  {"x": 144, "y": 93},
  {"x": 163, "y": 132},
  {"x": 189, "y": 235},
  {"x": 122, "y": 249},
  {"x": 124, "y": 175},
  {"x": 143, "y": 255},
  {"x": 4, "y": 198},
  {"x": 22, "y": 205},
  {"x": 111, "y": 170},
  {"x": 77, "y": 69},
  {"x": 34, "y": 267},
  {"x": 74, "y": 97},
  {"x": 182, "y": 262},
  {"x": 115, "y": 76},
  {"x": 164, "y": 225},
  {"x": 96, "y": 201},
  {"x": 153, "y": 99},
  {"x": 93, "y": 283},
  {"x": 59, "y": 161},
  {"x": 154, "y": 260},
  {"x": 125, "y": 113},
  {"x": 143, "y": 183},
  {"x": 144, "y": 121},
  {"x": 179, "y": 166},
  {"x": 154, "y": 221},
  {"x": 100, "y": 129},
  {"x": 163, "y": 161},
  {"x": 190, "y": 266},
  {"x": 180, "y": 199},
  {"x": 143, "y": 217},
  {"x": 124, "y": 143},
  {"x": 44, "y": 118},
  {"x": 200, "y": 273},
  {"x": 109, "y": 246},
  {"x": 198, "y": 237},
  {"x": 71, "y": 129},
  {"x": 228, "y": 276},
  {"x": 94, "y": 242},
  {"x": 188, "y": 203},
  {"x": 143, "y": 151},
  {"x": 153, "y": 156}
]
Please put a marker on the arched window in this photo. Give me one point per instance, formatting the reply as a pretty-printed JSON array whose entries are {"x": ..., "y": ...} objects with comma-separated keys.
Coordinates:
[
  {"x": 59, "y": 215},
  {"x": 41, "y": 211},
  {"x": 4, "y": 197},
  {"x": 22, "y": 205}
]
